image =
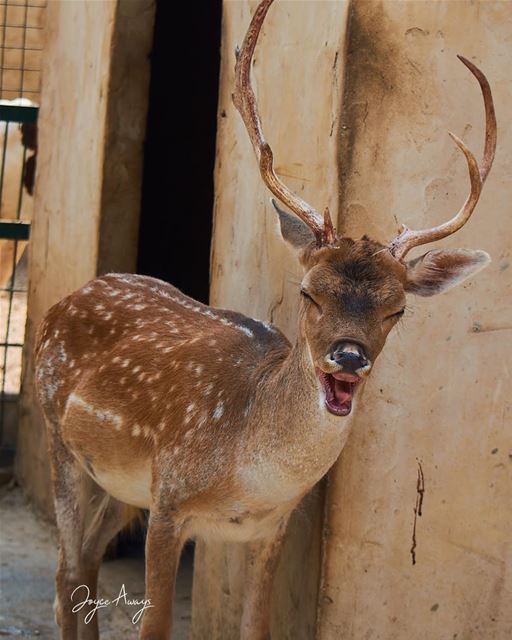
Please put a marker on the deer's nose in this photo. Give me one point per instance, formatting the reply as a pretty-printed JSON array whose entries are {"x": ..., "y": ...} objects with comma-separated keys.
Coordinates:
[{"x": 350, "y": 356}]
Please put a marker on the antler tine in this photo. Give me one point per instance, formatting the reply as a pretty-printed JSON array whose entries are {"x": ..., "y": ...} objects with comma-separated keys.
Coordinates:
[
  {"x": 407, "y": 238},
  {"x": 245, "y": 102}
]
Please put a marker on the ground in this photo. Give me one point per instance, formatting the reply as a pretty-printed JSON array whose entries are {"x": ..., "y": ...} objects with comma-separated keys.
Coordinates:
[{"x": 28, "y": 555}]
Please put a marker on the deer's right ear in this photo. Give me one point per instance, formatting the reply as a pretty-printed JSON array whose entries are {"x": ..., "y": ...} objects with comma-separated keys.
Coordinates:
[
  {"x": 439, "y": 270},
  {"x": 295, "y": 232}
]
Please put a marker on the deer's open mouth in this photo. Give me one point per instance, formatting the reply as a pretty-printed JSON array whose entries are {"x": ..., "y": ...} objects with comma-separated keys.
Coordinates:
[{"x": 339, "y": 391}]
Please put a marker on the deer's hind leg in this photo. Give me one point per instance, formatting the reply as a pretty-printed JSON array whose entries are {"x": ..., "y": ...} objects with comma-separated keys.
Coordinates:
[
  {"x": 109, "y": 517},
  {"x": 72, "y": 491}
]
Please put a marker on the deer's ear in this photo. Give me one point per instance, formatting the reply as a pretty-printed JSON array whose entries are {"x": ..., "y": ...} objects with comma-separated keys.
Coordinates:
[
  {"x": 438, "y": 271},
  {"x": 297, "y": 234}
]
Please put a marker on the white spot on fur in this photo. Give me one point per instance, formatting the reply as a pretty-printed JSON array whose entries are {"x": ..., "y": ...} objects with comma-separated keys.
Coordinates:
[
  {"x": 247, "y": 332},
  {"x": 103, "y": 415},
  {"x": 136, "y": 430},
  {"x": 219, "y": 410}
]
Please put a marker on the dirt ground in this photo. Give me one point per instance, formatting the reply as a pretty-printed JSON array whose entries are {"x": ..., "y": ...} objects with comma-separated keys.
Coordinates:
[{"x": 28, "y": 555}]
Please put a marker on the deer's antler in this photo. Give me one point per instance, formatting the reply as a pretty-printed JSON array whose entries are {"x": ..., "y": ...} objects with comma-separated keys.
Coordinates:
[
  {"x": 245, "y": 102},
  {"x": 407, "y": 238}
]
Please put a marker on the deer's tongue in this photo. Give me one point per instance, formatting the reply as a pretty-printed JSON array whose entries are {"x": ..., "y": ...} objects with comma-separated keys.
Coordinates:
[
  {"x": 344, "y": 387},
  {"x": 343, "y": 391}
]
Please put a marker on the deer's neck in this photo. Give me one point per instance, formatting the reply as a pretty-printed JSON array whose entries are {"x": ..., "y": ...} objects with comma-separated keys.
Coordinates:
[{"x": 291, "y": 427}]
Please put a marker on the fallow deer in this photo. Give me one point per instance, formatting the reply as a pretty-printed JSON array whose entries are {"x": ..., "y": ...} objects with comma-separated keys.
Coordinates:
[{"x": 212, "y": 420}]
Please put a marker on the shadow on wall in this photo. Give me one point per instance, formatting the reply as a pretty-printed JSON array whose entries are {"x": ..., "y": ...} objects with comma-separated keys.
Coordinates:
[{"x": 177, "y": 192}]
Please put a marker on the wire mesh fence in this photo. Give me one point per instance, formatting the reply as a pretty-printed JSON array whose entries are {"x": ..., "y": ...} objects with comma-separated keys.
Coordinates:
[{"x": 21, "y": 44}]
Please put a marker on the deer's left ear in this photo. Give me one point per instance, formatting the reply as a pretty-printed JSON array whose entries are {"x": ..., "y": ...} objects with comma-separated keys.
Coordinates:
[
  {"x": 438, "y": 270},
  {"x": 297, "y": 234}
]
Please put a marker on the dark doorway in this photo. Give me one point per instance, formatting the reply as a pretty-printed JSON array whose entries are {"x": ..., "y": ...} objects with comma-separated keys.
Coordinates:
[
  {"x": 177, "y": 189},
  {"x": 179, "y": 153}
]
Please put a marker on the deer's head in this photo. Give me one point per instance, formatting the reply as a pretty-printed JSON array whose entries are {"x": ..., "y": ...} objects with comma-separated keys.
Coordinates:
[{"x": 353, "y": 291}]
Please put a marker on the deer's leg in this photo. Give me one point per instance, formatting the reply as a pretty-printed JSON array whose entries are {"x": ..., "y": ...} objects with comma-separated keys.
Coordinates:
[
  {"x": 163, "y": 548},
  {"x": 108, "y": 519},
  {"x": 263, "y": 560},
  {"x": 72, "y": 490}
]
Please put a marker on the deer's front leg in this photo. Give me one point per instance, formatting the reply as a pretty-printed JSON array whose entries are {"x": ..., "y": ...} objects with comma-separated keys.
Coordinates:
[
  {"x": 163, "y": 547},
  {"x": 263, "y": 561}
]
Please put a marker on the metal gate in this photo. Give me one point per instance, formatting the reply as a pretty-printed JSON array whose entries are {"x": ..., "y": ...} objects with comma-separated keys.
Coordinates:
[{"x": 21, "y": 28}]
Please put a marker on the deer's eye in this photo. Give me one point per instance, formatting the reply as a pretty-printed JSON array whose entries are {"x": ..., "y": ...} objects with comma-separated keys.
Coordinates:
[
  {"x": 310, "y": 298},
  {"x": 395, "y": 316}
]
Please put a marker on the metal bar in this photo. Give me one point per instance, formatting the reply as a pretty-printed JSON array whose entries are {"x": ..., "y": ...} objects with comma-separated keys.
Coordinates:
[
  {"x": 2, "y": 55},
  {"x": 18, "y": 113},
  {"x": 2, "y": 165},
  {"x": 20, "y": 192},
  {"x": 7, "y": 331},
  {"x": 24, "y": 42},
  {"x": 21, "y": 68},
  {"x": 14, "y": 229},
  {"x": 11, "y": 344},
  {"x": 21, "y": 26},
  {"x": 30, "y": 6},
  {"x": 4, "y": 371},
  {"x": 13, "y": 48}
]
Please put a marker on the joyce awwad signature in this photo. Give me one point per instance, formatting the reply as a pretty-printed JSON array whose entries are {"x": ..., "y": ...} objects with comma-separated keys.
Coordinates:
[{"x": 83, "y": 592}]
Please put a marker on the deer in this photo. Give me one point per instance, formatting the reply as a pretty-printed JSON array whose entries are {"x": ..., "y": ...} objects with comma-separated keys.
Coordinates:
[{"x": 213, "y": 421}]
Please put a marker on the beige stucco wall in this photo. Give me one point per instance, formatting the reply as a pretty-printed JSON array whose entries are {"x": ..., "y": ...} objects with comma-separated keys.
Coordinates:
[
  {"x": 91, "y": 130},
  {"x": 441, "y": 391}
]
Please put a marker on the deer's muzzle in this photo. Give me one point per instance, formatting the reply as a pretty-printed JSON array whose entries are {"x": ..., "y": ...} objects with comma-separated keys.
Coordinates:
[{"x": 351, "y": 358}]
